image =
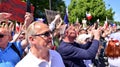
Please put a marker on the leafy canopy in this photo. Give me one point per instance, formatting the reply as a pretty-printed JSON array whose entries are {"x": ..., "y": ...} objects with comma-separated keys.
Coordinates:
[{"x": 78, "y": 9}]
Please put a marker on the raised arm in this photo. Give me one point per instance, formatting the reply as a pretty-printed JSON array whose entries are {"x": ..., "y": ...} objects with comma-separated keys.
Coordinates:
[{"x": 27, "y": 22}]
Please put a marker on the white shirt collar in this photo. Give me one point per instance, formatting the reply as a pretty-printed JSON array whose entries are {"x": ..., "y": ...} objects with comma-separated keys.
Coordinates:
[{"x": 39, "y": 61}]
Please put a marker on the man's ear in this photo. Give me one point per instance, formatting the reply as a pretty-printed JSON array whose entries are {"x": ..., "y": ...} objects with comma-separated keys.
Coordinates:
[{"x": 32, "y": 40}]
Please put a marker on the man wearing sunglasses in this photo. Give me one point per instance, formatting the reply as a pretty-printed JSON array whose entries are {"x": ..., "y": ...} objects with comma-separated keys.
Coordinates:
[
  {"x": 11, "y": 51},
  {"x": 7, "y": 53},
  {"x": 39, "y": 38}
]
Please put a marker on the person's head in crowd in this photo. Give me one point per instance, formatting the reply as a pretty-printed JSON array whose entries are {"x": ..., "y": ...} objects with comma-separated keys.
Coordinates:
[
  {"x": 70, "y": 33},
  {"x": 113, "y": 46},
  {"x": 83, "y": 31},
  {"x": 5, "y": 22},
  {"x": 22, "y": 36},
  {"x": 39, "y": 36},
  {"x": 5, "y": 35}
]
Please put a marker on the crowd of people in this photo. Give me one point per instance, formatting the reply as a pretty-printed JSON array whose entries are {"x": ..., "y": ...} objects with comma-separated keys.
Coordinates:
[{"x": 32, "y": 45}]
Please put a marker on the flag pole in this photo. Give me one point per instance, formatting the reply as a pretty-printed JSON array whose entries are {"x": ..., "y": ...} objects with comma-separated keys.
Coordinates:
[
  {"x": 28, "y": 6},
  {"x": 50, "y": 4}
]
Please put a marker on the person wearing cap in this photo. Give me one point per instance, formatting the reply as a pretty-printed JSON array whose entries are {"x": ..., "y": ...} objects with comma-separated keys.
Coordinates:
[
  {"x": 40, "y": 55},
  {"x": 11, "y": 51},
  {"x": 73, "y": 53}
]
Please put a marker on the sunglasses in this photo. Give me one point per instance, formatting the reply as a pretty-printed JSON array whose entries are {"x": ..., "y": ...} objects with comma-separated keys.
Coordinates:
[
  {"x": 46, "y": 34},
  {"x": 1, "y": 35}
]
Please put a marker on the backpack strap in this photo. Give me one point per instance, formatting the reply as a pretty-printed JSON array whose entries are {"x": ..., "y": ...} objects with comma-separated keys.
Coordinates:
[{"x": 15, "y": 49}]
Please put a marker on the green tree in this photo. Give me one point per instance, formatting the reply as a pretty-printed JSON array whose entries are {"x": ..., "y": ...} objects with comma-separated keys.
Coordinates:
[
  {"x": 78, "y": 8},
  {"x": 41, "y": 5}
]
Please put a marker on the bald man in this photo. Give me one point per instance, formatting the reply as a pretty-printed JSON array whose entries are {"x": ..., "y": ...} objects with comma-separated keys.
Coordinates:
[{"x": 39, "y": 37}]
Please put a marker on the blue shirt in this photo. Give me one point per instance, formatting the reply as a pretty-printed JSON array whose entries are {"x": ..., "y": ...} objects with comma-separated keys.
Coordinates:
[
  {"x": 6, "y": 64},
  {"x": 9, "y": 55}
]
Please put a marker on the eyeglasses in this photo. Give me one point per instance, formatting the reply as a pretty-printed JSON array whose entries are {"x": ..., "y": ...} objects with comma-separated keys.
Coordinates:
[
  {"x": 46, "y": 34},
  {"x": 1, "y": 35}
]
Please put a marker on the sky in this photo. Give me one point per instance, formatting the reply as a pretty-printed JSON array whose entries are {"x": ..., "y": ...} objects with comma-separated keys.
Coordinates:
[{"x": 114, "y": 4}]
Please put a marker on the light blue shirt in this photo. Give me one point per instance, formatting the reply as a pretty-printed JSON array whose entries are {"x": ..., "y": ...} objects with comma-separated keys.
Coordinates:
[
  {"x": 9, "y": 55},
  {"x": 6, "y": 64}
]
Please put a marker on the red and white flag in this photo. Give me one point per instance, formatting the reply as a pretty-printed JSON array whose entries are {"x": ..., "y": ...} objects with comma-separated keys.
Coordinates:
[
  {"x": 17, "y": 27},
  {"x": 89, "y": 16}
]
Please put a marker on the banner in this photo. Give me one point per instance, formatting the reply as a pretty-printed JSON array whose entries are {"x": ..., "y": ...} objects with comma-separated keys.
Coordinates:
[
  {"x": 16, "y": 7},
  {"x": 50, "y": 14}
]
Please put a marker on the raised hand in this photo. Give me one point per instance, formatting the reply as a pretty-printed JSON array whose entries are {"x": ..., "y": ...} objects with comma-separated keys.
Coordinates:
[{"x": 28, "y": 19}]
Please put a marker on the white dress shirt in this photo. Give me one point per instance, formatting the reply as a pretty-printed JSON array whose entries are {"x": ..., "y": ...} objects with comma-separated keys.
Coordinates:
[{"x": 30, "y": 60}]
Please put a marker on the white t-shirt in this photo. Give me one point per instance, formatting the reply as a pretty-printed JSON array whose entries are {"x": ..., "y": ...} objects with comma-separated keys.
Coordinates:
[{"x": 30, "y": 60}]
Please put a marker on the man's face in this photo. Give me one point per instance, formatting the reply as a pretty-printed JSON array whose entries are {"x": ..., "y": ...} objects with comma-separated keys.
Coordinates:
[
  {"x": 4, "y": 37},
  {"x": 71, "y": 32},
  {"x": 22, "y": 36},
  {"x": 42, "y": 38}
]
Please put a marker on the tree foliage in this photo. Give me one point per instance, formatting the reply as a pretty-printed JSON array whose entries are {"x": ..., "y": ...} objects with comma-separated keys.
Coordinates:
[
  {"x": 41, "y": 5},
  {"x": 78, "y": 8}
]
